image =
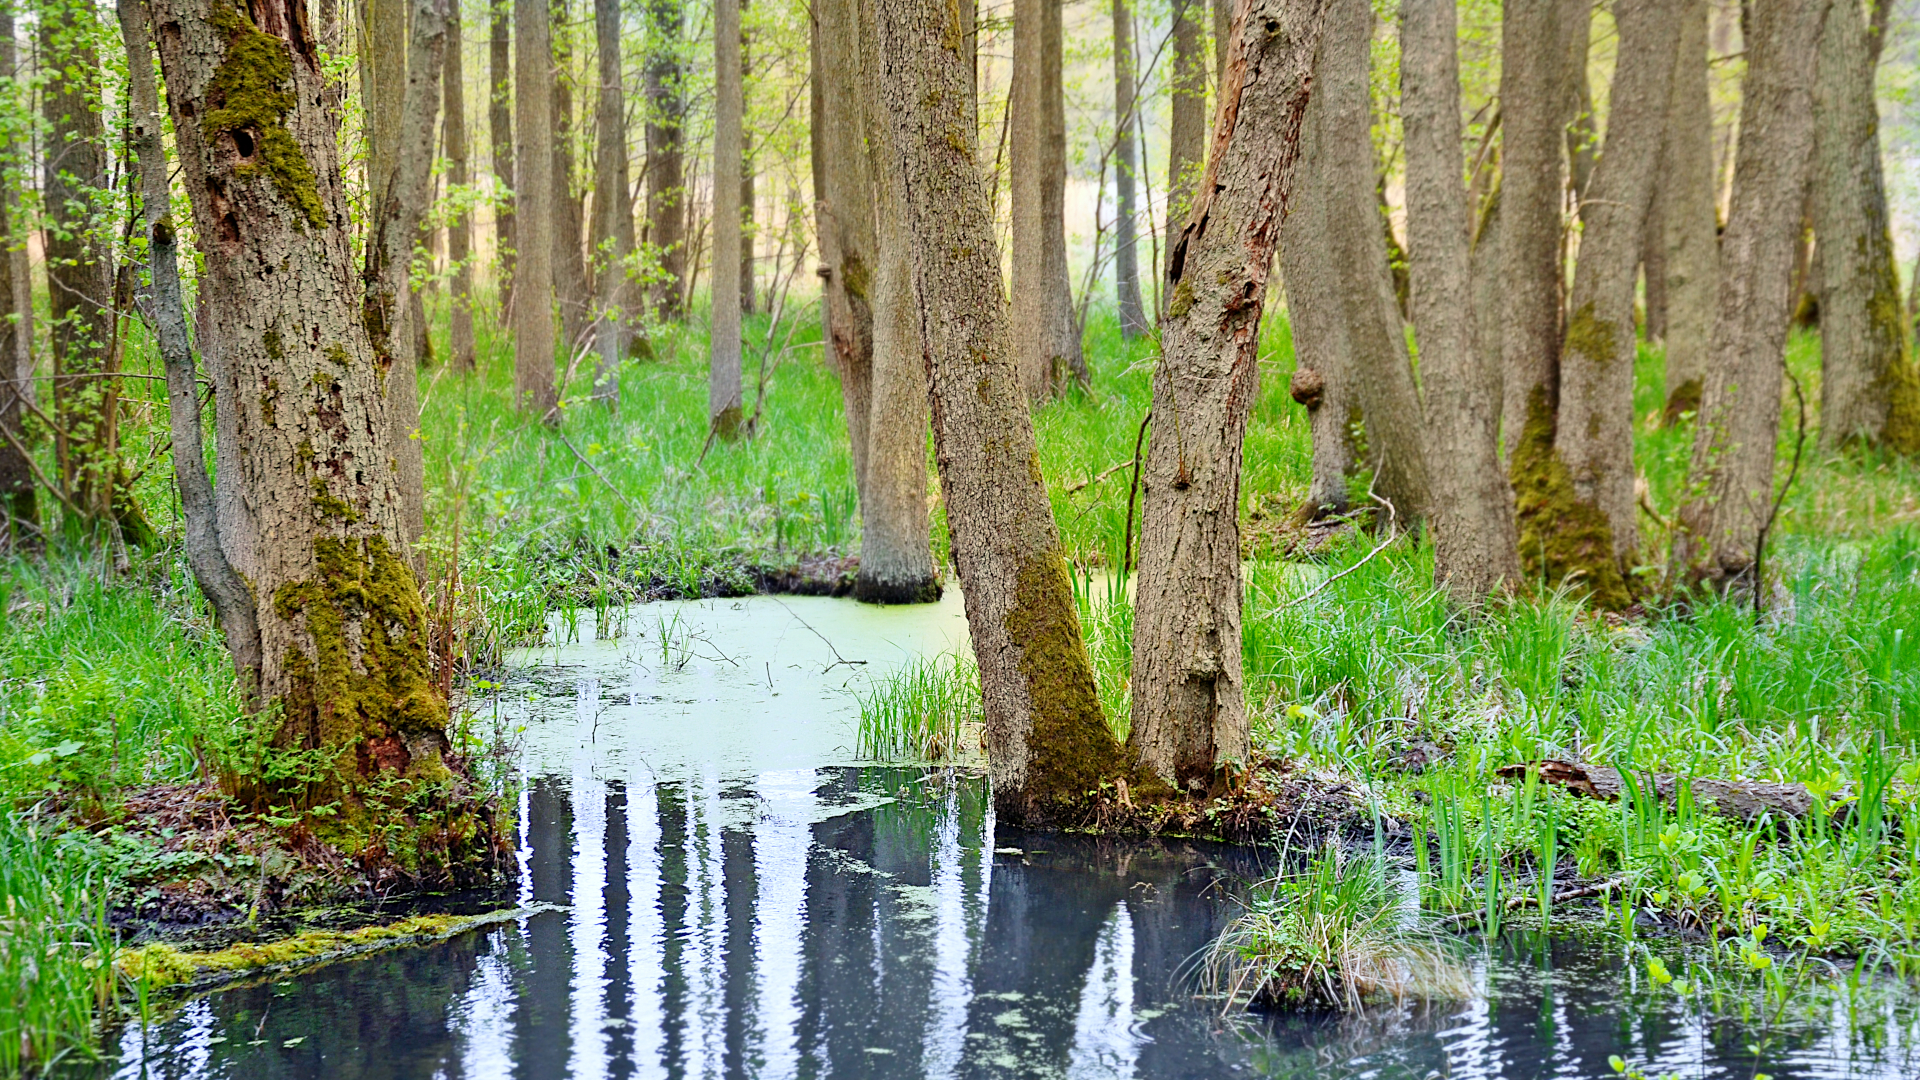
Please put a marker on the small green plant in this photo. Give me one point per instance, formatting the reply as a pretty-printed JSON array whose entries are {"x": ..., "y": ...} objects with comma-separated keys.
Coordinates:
[{"x": 928, "y": 711}]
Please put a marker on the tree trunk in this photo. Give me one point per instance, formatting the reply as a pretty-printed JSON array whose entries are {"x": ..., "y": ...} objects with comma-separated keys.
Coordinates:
[
  {"x": 1731, "y": 475},
  {"x": 1653, "y": 258},
  {"x": 1531, "y": 145},
  {"x": 1187, "y": 120},
  {"x": 1126, "y": 255},
  {"x": 79, "y": 278},
  {"x": 500, "y": 130},
  {"x": 16, "y": 318},
  {"x": 460, "y": 348},
  {"x": 747, "y": 232},
  {"x": 723, "y": 370},
  {"x": 1222, "y": 38},
  {"x": 845, "y": 215},
  {"x": 533, "y": 374},
  {"x": 233, "y": 604},
  {"x": 1689, "y": 215},
  {"x": 1046, "y": 338},
  {"x": 1378, "y": 365},
  {"x": 1189, "y": 709},
  {"x": 1047, "y": 744},
  {"x": 401, "y": 206},
  {"x": 1576, "y": 502},
  {"x": 1576, "y": 94},
  {"x": 570, "y": 289},
  {"x": 666, "y": 179},
  {"x": 343, "y": 634},
  {"x": 1868, "y": 390},
  {"x": 612, "y": 207},
  {"x": 1321, "y": 378},
  {"x": 1474, "y": 542}
]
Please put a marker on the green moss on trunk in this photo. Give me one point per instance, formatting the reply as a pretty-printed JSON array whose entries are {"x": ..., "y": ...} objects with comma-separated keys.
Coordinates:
[
  {"x": 1563, "y": 539},
  {"x": 248, "y": 102}
]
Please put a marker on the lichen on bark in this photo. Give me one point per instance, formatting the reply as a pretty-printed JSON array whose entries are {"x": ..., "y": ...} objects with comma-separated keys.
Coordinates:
[{"x": 1563, "y": 539}]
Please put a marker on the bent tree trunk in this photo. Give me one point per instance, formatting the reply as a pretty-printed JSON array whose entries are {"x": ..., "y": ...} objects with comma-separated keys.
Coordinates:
[
  {"x": 1576, "y": 500},
  {"x": 1189, "y": 710},
  {"x": 1474, "y": 547},
  {"x": 1048, "y": 745},
  {"x": 342, "y": 627},
  {"x": 1868, "y": 391},
  {"x": 1731, "y": 474},
  {"x": 1689, "y": 215}
]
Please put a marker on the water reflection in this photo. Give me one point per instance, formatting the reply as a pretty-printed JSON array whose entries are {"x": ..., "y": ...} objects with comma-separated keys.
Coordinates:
[{"x": 858, "y": 923}]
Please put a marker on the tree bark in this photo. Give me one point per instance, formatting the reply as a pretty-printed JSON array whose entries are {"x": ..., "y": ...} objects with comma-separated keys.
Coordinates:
[
  {"x": 1187, "y": 120},
  {"x": 1046, "y": 337},
  {"x": 1868, "y": 390},
  {"x": 1731, "y": 472},
  {"x": 533, "y": 374},
  {"x": 1222, "y": 39},
  {"x": 1475, "y": 553},
  {"x": 460, "y": 348},
  {"x": 747, "y": 207},
  {"x": 16, "y": 318},
  {"x": 342, "y": 626},
  {"x": 1530, "y": 199},
  {"x": 500, "y": 129},
  {"x": 1378, "y": 365},
  {"x": 1189, "y": 708},
  {"x": 1047, "y": 744},
  {"x": 612, "y": 207},
  {"x": 79, "y": 278},
  {"x": 845, "y": 215},
  {"x": 570, "y": 290},
  {"x": 723, "y": 369},
  {"x": 401, "y": 206},
  {"x": 1653, "y": 258},
  {"x": 1690, "y": 215},
  {"x": 225, "y": 590},
  {"x": 1576, "y": 497},
  {"x": 666, "y": 180},
  {"x": 1321, "y": 379},
  {"x": 1126, "y": 255}
]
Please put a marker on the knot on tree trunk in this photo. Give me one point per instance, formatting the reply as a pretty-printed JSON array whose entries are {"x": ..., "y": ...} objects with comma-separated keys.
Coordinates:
[{"x": 1308, "y": 387}]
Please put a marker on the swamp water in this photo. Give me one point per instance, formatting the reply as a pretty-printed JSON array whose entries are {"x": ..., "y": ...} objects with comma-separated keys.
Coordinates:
[{"x": 743, "y": 898}]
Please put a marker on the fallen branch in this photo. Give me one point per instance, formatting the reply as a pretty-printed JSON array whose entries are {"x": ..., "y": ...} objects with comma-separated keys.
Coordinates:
[
  {"x": 1746, "y": 800},
  {"x": 1104, "y": 473}
]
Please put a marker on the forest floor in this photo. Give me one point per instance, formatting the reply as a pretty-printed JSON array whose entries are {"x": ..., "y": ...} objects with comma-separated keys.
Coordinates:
[{"x": 115, "y": 693}]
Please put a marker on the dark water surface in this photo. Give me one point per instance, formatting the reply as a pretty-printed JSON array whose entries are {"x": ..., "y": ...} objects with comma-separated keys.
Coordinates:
[{"x": 732, "y": 914}]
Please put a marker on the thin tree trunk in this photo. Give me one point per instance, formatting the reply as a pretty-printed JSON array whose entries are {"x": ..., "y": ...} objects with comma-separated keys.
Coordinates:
[
  {"x": 1189, "y": 708},
  {"x": 1222, "y": 38},
  {"x": 533, "y": 374},
  {"x": 1576, "y": 502},
  {"x": 1530, "y": 201},
  {"x": 1474, "y": 541},
  {"x": 500, "y": 130},
  {"x": 844, "y": 211},
  {"x": 343, "y": 639},
  {"x": 233, "y": 604},
  {"x": 1378, "y": 365},
  {"x": 1187, "y": 117},
  {"x": 723, "y": 370},
  {"x": 570, "y": 288},
  {"x": 1576, "y": 94},
  {"x": 79, "y": 279},
  {"x": 1690, "y": 215},
  {"x": 16, "y": 315},
  {"x": 1045, "y": 336},
  {"x": 612, "y": 207},
  {"x": 460, "y": 348},
  {"x": 384, "y": 91},
  {"x": 666, "y": 179},
  {"x": 1868, "y": 391},
  {"x": 1321, "y": 378},
  {"x": 1126, "y": 258},
  {"x": 1047, "y": 744},
  {"x": 1731, "y": 475},
  {"x": 1653, "y": 258},
  {"x": 748, "y": 233},
  {"x": 401, "y": 206}
]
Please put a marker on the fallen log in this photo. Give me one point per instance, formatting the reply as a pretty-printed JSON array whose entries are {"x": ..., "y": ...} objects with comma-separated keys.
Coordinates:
[{"x": 1745, "y": 799}]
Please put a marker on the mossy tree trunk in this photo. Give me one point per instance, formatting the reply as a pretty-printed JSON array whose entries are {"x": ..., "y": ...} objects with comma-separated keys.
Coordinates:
[
  {"x": 342, "y": 626},
  {"x": 500, "y": 137},
  {"x": 666, "y": 149},
  {"x": 1731, "y": 473},
  {"x": 16, "y": 319},
  {"x": 405, "y": 185},
  {"x": 1474, "y": 546},
  {"x": 1186, "y": 121},
  {"x": 1531, "y": 167},
  {"x": 723, "y": 363},
  {"x": 1575, "y": 494},
  {"x": 1048, "y": 745},
  {"x": 1689, "y": 215},
  {"x": 460, "y": 348},
  {"x": 612, "y": 207},
  {"x": 80, "y": 294},
  {"x": 1189, "y": 707},
  {"x": 1126, "y": 253},
  {"x": 533, "y": 373},
  {"x": 1046, "y": 338},
  {"x": 1868, "y": 390}
]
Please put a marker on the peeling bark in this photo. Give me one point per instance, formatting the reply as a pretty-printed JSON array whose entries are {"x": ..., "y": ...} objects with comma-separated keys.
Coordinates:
[{"x": 1189, "y": 708}]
